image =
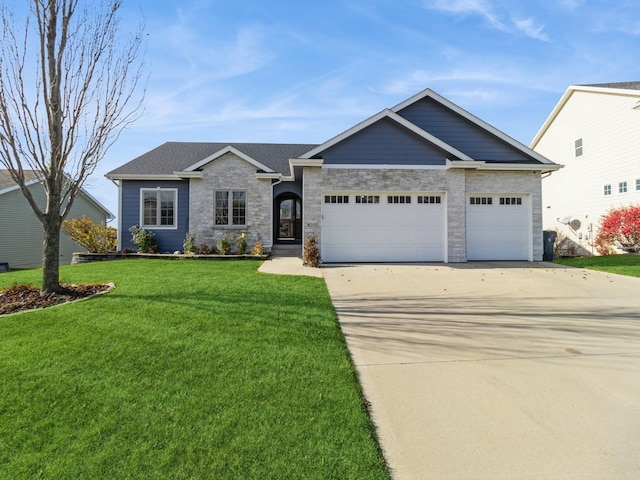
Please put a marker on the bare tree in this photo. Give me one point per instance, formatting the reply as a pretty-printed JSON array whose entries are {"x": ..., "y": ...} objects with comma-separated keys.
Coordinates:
[{"x": 68, "y": 87}]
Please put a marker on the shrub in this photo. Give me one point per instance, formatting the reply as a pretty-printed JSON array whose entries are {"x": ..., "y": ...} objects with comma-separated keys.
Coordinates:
[
  {"x": 620, "y": 228},
  {"x": 189, "y": 244},
  {"x": 311, "y": 253},
  {"x": 242, "y": 244},
  {"x": 144, "y": 240},
  {"x": 95, "y": 237},
  {"x": 203, "y": 249},
  {"x": 224, "y": 245},
  {"x": 257, "y": 249}
]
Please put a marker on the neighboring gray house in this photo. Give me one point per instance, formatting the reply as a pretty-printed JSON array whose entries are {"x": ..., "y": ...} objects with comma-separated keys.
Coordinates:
[
  {"x": 422, "y": 181},
  {"x": 21, "y": 240}
]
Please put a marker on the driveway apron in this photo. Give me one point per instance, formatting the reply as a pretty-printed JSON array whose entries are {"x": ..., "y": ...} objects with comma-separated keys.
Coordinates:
[{"x": 500, "y": 370}]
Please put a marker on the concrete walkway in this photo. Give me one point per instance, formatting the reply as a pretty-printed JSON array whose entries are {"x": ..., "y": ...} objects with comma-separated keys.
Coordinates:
[
  {"x": 494, "y": 370},
  {"x": 288, "y": 266}
]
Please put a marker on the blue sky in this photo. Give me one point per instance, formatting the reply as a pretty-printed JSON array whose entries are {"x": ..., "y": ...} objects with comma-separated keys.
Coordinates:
[{"x": 294, "y": 71}]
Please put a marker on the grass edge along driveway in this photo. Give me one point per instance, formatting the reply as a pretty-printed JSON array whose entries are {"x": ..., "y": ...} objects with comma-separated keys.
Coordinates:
[{"x": 186, "y": 370}]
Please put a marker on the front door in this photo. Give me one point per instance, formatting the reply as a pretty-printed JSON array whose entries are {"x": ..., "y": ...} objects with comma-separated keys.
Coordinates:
[{"x": 289, "y": 218}]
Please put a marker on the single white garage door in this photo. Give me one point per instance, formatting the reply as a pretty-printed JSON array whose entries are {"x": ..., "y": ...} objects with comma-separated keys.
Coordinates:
[
  {"x": 498, "y": 227},
  {"x": 383, "y": 227}
]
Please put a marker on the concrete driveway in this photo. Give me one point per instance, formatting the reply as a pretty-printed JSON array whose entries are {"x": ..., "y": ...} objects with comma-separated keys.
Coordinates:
[{"x": 496, "y": 370}]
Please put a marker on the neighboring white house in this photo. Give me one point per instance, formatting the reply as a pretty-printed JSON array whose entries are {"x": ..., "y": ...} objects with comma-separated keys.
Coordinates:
[
  {"x": 21, "y": 241},
  {"x": 594, "y": 131}
]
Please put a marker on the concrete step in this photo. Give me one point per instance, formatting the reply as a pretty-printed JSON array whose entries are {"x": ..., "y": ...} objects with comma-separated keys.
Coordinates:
[{"x": 284, "y": 250}]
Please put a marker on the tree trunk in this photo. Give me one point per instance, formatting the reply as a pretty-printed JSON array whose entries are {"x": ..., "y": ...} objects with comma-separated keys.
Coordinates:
[{"x": 51, "y": 247}]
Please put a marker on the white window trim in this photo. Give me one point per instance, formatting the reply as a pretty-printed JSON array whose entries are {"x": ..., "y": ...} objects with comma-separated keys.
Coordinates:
[
  {"x": 175, "y": 209},
  {"x": 230, "y": 212}
]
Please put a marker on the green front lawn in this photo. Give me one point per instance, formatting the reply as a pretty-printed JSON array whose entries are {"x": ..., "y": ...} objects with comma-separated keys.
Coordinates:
[
  {"x": 188, "y": 369},
  {"x": 621, "y": 264}
]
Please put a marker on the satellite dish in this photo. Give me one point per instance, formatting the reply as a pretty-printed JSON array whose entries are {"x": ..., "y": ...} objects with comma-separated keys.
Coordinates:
[
  {"x": 566, "y": 220},
  {"x": 575, "y": 224}
]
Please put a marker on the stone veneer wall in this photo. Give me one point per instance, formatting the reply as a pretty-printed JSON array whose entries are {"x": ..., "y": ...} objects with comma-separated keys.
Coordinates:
[
  {"x": 230, "y": 172},
  {"x": 456, "y": 183},
  {"x": 317, "y": 180},
  {"x": 514, "y": 182}
]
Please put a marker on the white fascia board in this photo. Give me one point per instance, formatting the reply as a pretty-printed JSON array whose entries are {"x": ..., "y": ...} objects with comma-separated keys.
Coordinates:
[
  {"x": 523, "y": 167},
  {"x": 186, "y": 174},
  {"x": 262, "y": 175},
  {"x": 223, "y": 151},
  {"x": 369, "y": 166},
  {"x": 552, "y": 116},
  {"x": 472, "y": 118},
  {"x": 300, "y": 162},
  {"x": 137, "y": 176},
  {"x": 387, "y": 113},
  {"x": 464, "y": 164}
]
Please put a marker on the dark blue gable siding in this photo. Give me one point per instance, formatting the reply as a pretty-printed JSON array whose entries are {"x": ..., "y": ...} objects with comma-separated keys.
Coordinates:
[
  {"x": 168, "y": 240},
  {"x": 385, "y": 143},
  {"x": 460, "y": 133}
]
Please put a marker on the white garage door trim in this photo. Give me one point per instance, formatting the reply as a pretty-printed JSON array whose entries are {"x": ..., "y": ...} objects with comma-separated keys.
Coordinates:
[
  {"x": 383, "y": 226},
  {"x": 499, "y": 227}
]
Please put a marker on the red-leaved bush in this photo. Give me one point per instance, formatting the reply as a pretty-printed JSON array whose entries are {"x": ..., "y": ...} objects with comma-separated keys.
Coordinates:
[{"x": 620, "y": 227}]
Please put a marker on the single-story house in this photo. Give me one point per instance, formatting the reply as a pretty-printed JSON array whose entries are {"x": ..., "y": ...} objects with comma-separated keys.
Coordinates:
[
  {"x": 593, "y": 132},
  {"x": 21, "y": 239},
  {"x": 424, "y": 181}
]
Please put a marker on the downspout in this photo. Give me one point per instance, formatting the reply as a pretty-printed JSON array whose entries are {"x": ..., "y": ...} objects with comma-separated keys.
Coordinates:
[{"x": 119, "y": 229}]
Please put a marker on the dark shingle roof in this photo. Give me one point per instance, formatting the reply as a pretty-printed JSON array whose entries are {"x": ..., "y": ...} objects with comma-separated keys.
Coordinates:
[
  {"x": 176, "y": 156},
  {"x": 626, "y": 85}
]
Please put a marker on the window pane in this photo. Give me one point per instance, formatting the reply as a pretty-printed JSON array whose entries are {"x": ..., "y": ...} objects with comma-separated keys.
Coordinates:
[
  {"x": 239, "y": 208},
  {"x": 150, "y": 209},
  {"x": 222, "y": 208},
  {"x": 167, "y": 202}
]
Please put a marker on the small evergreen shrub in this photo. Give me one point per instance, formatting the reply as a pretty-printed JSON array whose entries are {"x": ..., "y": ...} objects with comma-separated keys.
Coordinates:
[
  {"x": 144, "y": 240},
  {"x": 189, "y": 244}
]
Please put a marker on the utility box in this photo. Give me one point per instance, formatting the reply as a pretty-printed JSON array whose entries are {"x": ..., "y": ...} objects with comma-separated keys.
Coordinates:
[
  {"x": 549, "y": 238},
  {"x": 4, "y": 267}
]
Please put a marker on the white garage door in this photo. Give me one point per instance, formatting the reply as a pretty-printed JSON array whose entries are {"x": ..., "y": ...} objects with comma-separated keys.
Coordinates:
[
  {"x": 383, "y": 227},
  {"x": 498, "y": 227}
]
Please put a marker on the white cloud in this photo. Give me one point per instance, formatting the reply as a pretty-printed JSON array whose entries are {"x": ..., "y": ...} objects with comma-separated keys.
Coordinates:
[
  {"x": 468, "y": 7},
  {"x": 530, "y": 29}
]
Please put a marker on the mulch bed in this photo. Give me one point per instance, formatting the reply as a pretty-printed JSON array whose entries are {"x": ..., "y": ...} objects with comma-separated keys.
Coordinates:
[{"x": 19, "y": 298}]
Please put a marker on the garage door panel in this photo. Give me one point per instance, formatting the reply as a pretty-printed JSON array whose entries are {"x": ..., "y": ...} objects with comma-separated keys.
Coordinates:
[
  {"x": 382, "y": 232},
  {"x": 498, "y": 232}
]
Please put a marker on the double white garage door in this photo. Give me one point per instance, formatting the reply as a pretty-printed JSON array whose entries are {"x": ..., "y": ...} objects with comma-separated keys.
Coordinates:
[{"x": 412, "y": 227}]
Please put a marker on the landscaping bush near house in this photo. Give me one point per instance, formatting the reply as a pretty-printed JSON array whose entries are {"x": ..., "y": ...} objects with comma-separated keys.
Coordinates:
[
  {"x": 311, "y": 252},
  {"x": 144, "y": 240},
  {"x": 185, "y": 370},
  {"x": 189, "y": 244},
  {"x": 95, "y": 237},
  {"x": 619, "y": 229}
]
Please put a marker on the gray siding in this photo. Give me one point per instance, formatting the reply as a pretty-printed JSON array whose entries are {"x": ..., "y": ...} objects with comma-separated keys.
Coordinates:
[
  {"x": 460, "y": 133},
  {"x": 385, "y": 143},
  {"x": 168, "y": 240},
  {"x": 21, "y": 239}
]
